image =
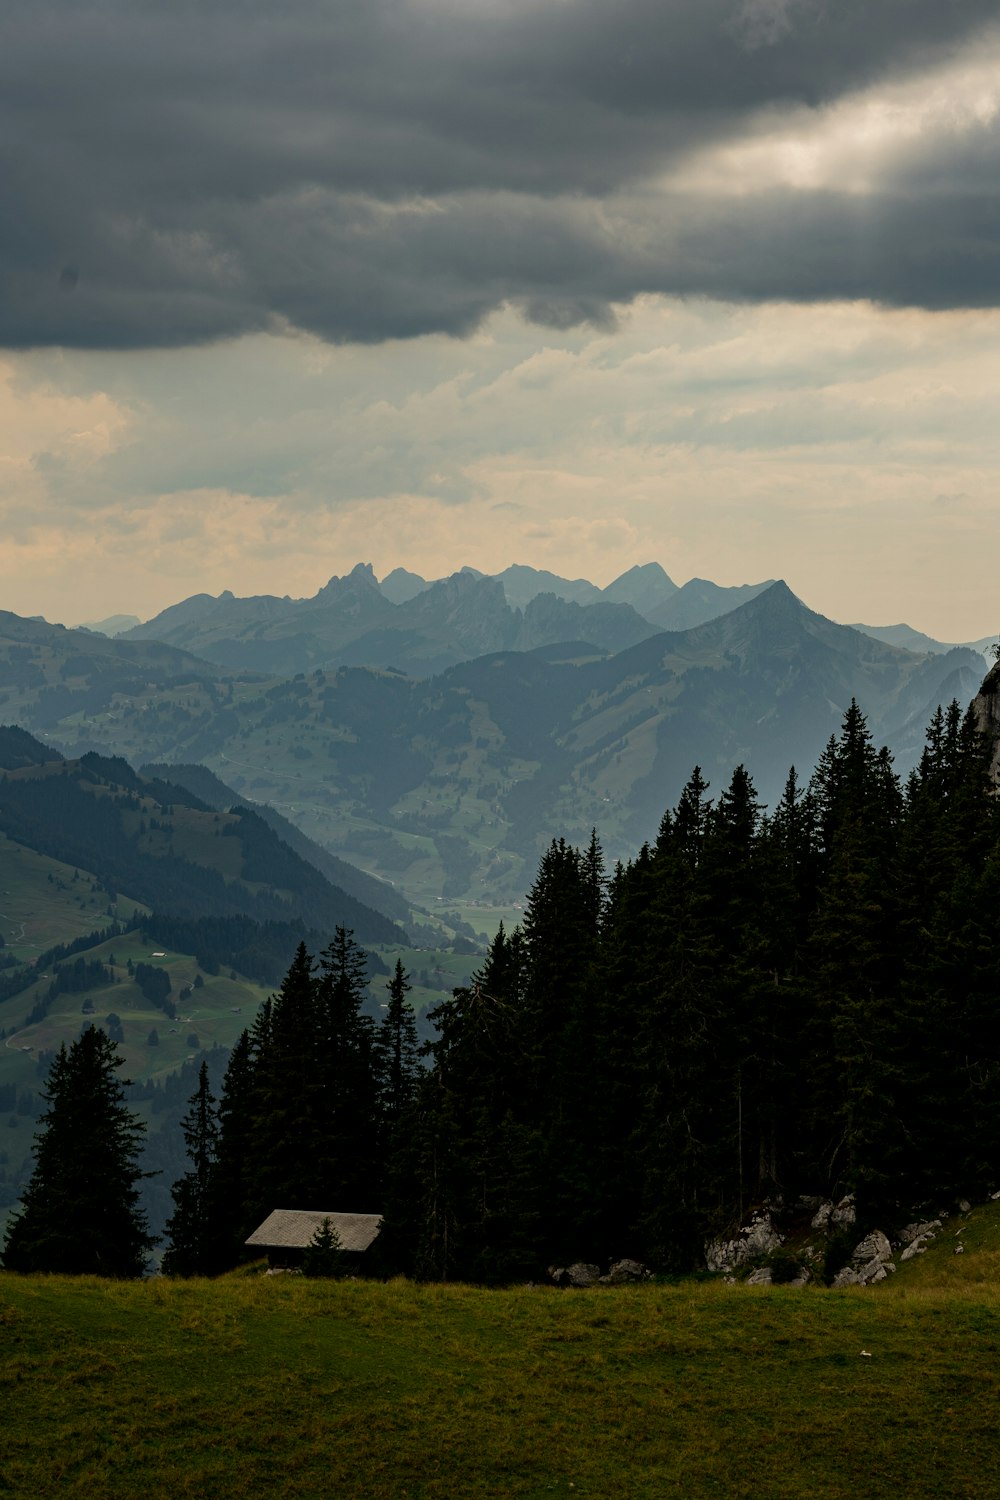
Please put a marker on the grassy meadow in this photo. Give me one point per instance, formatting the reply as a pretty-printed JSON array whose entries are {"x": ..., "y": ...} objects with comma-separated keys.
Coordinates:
[
  {"x": 44, "y": 902},
  {"x": 215, "y": 1013},
  {"x": 280, "y": 1386}
]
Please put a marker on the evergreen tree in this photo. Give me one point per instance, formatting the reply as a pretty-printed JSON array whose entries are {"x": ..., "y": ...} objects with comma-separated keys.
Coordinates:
[
  {"x": 324, "y": 1254},
  {"x": 476, "y": 1131},
  {"x": 230, "y": 1210},
  {"x": 620, "y": 997},
  {"x": 346, "y": 1167},
  {"x": 676, "y": 1135},
  {"x": 312, "y": 1111},
  {"x": 190, "y": 1249},
  {"x": 944, "y": 891},
  {"x": 396, "y": 1054},
  {"x": 398, "y": 1073},
  {"x": 854, "y": 1127},
  {"x": 80, "y": 1211},
  {"x": 731, "y": 876},
  {"x": 786, "y": 863},
  {"x": 287, "y": 1104},
  {"x": 562, "y": 924}
]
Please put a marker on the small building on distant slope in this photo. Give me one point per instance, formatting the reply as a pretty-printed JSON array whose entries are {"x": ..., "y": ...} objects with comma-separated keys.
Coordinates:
[{"x": 286, "y": 1232}]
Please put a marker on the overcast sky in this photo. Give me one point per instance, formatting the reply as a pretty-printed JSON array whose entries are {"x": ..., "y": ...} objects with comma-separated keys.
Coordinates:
[{"x": 579, "y": 283}]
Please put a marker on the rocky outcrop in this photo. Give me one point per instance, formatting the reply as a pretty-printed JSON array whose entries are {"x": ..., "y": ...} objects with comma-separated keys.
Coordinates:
[
  {"x": 986, "y": 707},
  {"x": 774, "y": 1247},
  {"x": 583, "y": 1274},
  {"x": 755, "y": 1241},
  {"x": 871, "y": 1261},
  {"x": 915, "y": 1236},
  {"x": 829, "y": 1217}
]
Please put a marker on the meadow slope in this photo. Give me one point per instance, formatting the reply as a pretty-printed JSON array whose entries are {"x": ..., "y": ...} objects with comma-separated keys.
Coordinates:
[{"x": 286, "y": 1387}]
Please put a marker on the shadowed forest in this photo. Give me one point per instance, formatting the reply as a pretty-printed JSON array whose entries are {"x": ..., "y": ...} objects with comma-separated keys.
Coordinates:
[{"x": 756, "y": 1006}]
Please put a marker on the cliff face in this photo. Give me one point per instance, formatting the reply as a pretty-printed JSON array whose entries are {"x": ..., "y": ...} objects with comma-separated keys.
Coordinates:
[{"x": 987, "y": 708}]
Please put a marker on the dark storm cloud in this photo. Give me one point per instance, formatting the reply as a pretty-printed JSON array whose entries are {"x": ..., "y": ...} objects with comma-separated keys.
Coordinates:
[{"x": 174, "y": 174}]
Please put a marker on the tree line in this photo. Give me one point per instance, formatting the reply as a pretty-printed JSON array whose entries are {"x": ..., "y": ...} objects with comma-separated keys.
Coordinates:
[{"x": 761, "y": 1004}]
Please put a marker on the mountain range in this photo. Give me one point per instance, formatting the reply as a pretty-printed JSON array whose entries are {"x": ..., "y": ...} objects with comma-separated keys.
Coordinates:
[
  {"x": 423, "y": 626},
  {"x": 450, "y": 785}
]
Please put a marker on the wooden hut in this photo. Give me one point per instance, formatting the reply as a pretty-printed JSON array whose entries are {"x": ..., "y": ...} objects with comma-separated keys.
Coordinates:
[{"x": 286, "y": 1232}]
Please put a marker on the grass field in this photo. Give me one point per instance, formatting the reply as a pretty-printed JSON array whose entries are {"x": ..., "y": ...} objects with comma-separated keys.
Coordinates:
[
  {"x": 281, "y": 1387},
  {"x": 44, "y": 902},
  {"x": 216, "y": 1013}
]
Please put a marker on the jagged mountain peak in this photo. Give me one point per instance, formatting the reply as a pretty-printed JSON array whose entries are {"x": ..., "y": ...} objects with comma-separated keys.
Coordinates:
[
  {"x": 361, "y": 575},
  {"x": 461, "y": 589}
]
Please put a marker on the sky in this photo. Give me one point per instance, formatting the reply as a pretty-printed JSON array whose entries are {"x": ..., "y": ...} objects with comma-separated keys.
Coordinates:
[{"x": 428, "y": 283}]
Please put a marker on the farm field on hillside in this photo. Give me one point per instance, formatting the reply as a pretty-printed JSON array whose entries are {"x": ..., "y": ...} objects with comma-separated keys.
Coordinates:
[
  {"x": 44, "y": 902},
  {"x": 213, "y": 1014}
]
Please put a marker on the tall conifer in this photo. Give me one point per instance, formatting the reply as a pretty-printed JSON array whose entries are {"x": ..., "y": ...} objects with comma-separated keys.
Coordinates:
[
  {"x": 80, "y": 1211},
  {"x": 190, "y": 1248}
]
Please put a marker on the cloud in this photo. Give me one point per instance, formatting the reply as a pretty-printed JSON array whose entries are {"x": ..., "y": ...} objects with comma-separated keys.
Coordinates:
[
  {"x": 178, "y": 174},
  {"x": 734, "y": 442},
  {"x": 763, "y": 23}
]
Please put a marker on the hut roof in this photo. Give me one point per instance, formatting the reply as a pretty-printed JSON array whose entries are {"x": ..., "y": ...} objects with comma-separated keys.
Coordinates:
[{"x": 293, "y": 1228}]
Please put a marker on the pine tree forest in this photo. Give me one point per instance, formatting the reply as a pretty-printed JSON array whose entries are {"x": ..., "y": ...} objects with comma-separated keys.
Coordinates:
[{"x": 762, "y": 1004}]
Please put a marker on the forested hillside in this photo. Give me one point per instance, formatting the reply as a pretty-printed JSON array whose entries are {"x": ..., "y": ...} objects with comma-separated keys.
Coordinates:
[
  {"x": 159, "y": 843},
  {"x": 757, "y": 1006},
  {"x": 214, "y": 793}
]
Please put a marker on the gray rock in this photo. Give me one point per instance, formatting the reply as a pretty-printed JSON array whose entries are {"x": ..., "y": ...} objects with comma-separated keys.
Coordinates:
[
  {"x": 843, "y": 1215},
  {"x": 870, "y": 1272},
  {"x": 872, "y": 1258},
  {"x": 959, "y": 1249},
  {"x": 760, "y": 1277},
  {"x": 964, "y": 1206},
  {"x": 755, "y": 1240},
  {"x": 919, "y": 1231},
  {"x": 821, "y": 1218},
  {"x": 581, "y": 1273},
  {"x": 874, "y": 1246},
  {"x": 625, "y": 1271},
  {"x": 916, "y": 1248},
  {"x": 870, "y": 1262},
  {"x": 833, "y": 1216}
]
